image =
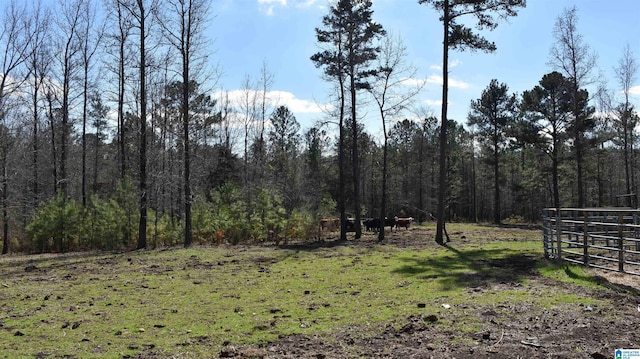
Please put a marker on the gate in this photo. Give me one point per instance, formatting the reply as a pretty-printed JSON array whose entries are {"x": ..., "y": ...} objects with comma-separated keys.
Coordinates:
[{"x": 605, "y": 238}]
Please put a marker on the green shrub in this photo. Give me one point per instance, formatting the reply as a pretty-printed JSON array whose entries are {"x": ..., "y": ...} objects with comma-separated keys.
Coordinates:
[
  {"x": 105, "y": 226},
  {"x": 127, "y": 197},
  {"x": 514, "y": 219},
  {"x": 204, "y": 221},
  {"x": 300, "y": 225},
  {"x": 163, "y": 231},
  {"x": 327, "y": 207},
  {"x": 269, "y": 219},
  {"x": 57, "y": 225},
  {"x": 14, "y": 245}
]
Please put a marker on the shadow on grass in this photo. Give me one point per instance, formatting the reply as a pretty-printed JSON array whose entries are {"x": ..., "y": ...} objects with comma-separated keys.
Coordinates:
[
  {"x": 526, "y": 226},
  {"x": 471, "y": 268},
  {"x": 602, "y": 281},
  {"x": 28, "y": 264},
  {"x": 318, "y": 244}
]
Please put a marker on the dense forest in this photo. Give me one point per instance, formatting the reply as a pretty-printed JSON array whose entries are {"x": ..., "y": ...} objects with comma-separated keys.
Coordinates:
[{"x": 112, "y": 135}]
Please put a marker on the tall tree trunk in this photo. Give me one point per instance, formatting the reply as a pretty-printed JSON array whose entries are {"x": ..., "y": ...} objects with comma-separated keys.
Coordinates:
[
  {"x": 474, "y": 187},
  {"x": 634, "y": 199},
  {"x": 35, "y": 147},
  {"x": 496, "y": 183},
  {"x": 142, "y": 227},
  {"x": 121, "y": 89},
  {"x": 341, "y": 167},
  {"x": 96, "y": 150},
  {"x": 442, "y": 174},
  {"x": 554, "y": 172},
  {"x": 420, "y": 178},
  {"x": 599, "y": 177},
  {"x": 64, "y": 135},
  {"x": 625, "y": 140},
  {"x": 5, "y": 200},
  {"x": 245, "y": 176},
  {"x": 187, "y": 159},
  {"x": 383, "y": 201},
  {"x": 579, "y": 159},
  {"x": 578, "y": 129},
  {"x": 85, "y": 87},
  {"x": 121, "y": 130},
  {"x": 355, "y": 160},
  {"x": 54, "y": 159}
]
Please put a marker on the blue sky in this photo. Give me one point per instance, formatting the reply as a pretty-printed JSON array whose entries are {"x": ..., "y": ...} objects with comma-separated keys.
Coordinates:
[{"x": 246, "y": 33}]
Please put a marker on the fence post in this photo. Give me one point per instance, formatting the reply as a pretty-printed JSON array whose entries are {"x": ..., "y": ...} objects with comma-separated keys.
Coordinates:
[
  {"x": 635, "y": 229},
  {"x": 585, "y": 242},
  {"x": 545, "y": 234},
  {"x": 605, "y": 219},
  {"x": 620, "y": 243},
  {"x": 559, "y": 235}
]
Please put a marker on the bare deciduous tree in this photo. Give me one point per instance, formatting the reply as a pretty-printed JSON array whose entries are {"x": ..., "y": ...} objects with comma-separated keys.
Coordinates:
[
  {"x": 183, "y": 27},
  {"x": 575, "y": 60},
  {"x": 68, "y": 26},
  {"x": 90, "y": 35},
  {"x": 626, "y": 73},
  {"x": 15, "y": 40},
  {"x": 39, "y": 66},
  {"x": 141, "y": 15},
  {"x": 393, "y": 90}
]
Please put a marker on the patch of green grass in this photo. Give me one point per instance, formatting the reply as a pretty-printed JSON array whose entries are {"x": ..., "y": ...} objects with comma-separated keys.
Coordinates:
[
  {"x": 188, "y": 303},
  {"x": 568, "y": 273}
]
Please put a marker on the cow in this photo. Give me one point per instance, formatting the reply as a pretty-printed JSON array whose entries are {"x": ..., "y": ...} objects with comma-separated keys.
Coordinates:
[
  {"x": 372, "y": 224},
  {"x": 390, "y": 222},
  {"x": 350, "y": 224},
  {"x": 404, "y": 222},
  {"x": 330, "y": 224}
]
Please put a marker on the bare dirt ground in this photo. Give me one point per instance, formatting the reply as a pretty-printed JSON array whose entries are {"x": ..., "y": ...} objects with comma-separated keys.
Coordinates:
[{"x": 512, "y": 331}]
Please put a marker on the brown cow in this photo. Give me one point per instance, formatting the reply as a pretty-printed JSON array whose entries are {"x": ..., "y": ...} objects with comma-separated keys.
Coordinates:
[
  {"x": 330, "y": 224},
  {"x": 404, "y": 222}
]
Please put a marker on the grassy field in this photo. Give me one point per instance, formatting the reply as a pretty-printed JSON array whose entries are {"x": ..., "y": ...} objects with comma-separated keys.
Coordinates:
[{"x": 192, "y": 303}]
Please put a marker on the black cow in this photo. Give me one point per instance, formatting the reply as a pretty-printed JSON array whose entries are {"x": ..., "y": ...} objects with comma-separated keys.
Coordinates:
[
  {"x": 390, "y": 222},
  {"x": 372, "y": 224},
  {"x": 350, "y": 224}
]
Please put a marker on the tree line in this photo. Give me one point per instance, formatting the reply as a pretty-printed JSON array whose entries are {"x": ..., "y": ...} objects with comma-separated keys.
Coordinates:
[{"x": 113, "y": 134}]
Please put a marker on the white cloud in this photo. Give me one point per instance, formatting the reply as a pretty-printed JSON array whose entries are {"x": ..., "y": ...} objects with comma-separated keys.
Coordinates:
[
  {"x": 458, "y": 84},
  {"x": 306, "y": 3},
  {"x": 296, "y": 105},
  {"x": 437, "y": 79},
  {"x": 410, "y": 81},
  {"x": 635, "y": 90},
  {"x": 433, "y": 102},
  {"x": 455, "y": 63},
  {"x": 269, "y": 2},
  {"x": 267, "y": 6},
  {"x": 275, "y": 98}
]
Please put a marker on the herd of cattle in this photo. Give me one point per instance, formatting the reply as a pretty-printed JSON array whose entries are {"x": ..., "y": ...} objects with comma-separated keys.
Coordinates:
[{"x": 369, "y": 224}]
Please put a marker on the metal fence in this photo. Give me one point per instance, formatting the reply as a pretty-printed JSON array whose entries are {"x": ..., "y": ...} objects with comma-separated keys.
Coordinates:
[{"x": 605, "y": 238}]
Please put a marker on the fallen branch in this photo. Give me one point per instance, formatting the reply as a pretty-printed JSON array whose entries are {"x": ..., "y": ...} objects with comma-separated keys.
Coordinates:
[
  {"x": 531, "y": 344},
  {"x": 499, "y": 340}
]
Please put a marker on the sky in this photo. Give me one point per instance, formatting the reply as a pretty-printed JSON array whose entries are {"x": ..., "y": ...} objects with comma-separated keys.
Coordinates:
[{"x": 245, "y": 34}]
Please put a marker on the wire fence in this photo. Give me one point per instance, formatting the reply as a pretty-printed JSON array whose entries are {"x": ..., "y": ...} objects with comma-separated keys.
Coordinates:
[{"x": 605, "y": 238}]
